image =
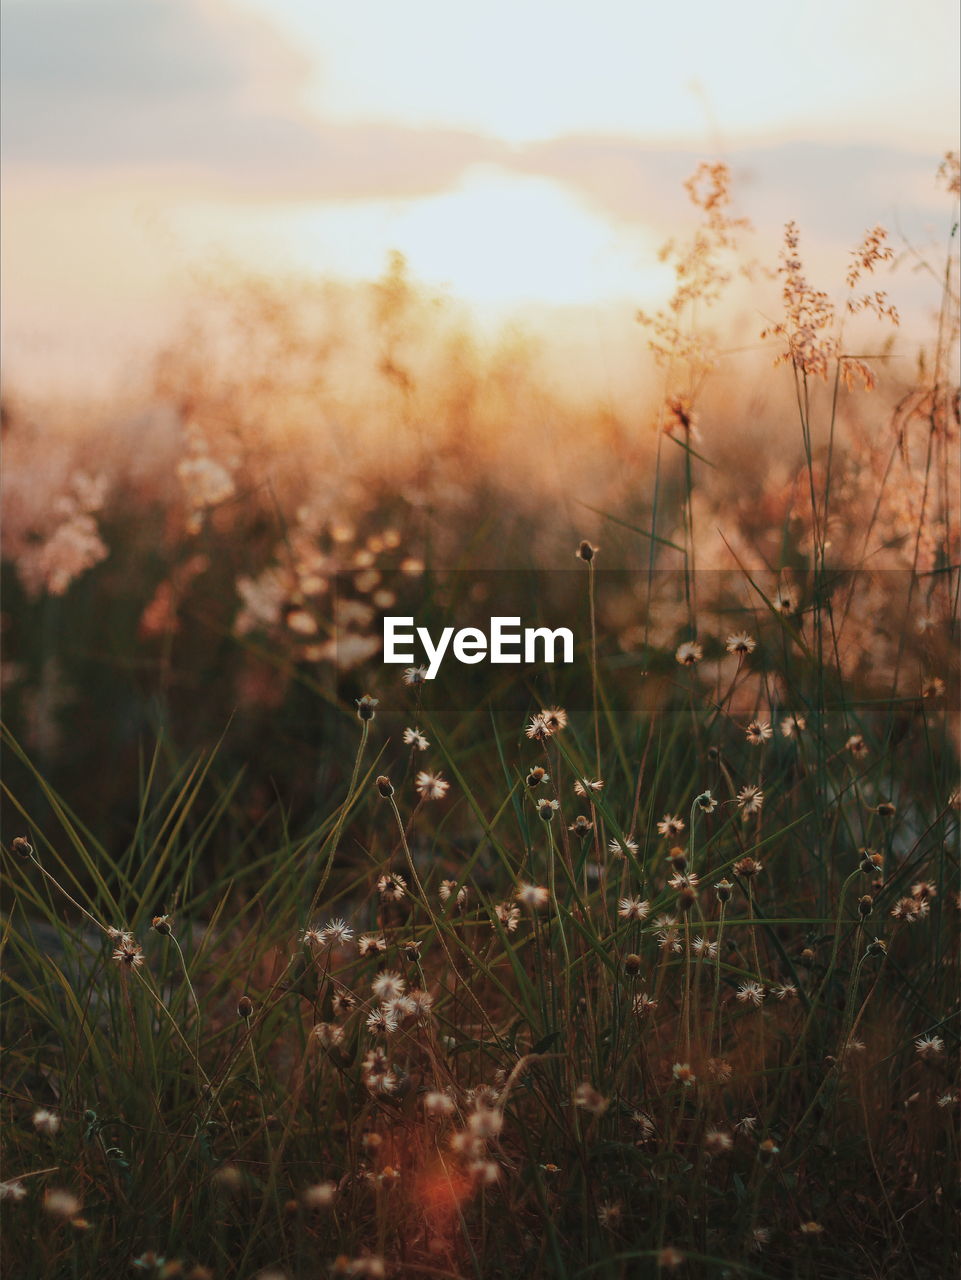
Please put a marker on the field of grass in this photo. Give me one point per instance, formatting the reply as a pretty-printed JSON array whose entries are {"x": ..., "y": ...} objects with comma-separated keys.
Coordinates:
[{"x": 642, "y": 965}]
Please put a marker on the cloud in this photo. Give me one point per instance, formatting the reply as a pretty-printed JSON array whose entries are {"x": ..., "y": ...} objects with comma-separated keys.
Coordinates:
[
  {"x": 191, "y": 87},
  {"x": 830, "y": 190},
  {"x": 205, "y": 96}
]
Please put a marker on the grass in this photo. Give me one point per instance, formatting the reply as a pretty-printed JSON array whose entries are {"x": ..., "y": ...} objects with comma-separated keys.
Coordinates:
[{"x": 274, "y": 1003}]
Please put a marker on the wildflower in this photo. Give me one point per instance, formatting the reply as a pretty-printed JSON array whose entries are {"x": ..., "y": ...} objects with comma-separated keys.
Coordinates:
[
  {"x": 857, "y": 746},
  {"x": 877, "y": 947},
  {"x": 366, "y": 707},
  {"x": 758, "y": 732},
  {"x": 378, "y": 1076},
  {"x": 683, "y": 881},
  {"x": 62, "y": 1204},
  {"x": 537, "y": 728},
  {"x": 588, "y": 1099},
  {"x": 667, "y": 934},
  {"x": 388, "y": 986},
  {"x": 12, "y": 1190},
  {"x": 644, "y": 1004},
  {"x": 245, "y": 1008},
  {"x": 949, "y": 1099},
  {"x": 683, "y": 1074},
  {"x": 670, "y": 825},
  {"x": 385, "y": 786},
  {"x": 717, "y": 1141},
  {"x": 536, "y": 776},
  {"x": 705, "y": 949},
  {"x": 414, "y": 738},
  {"x": 720, "y": 1070},
  {"x": 328, "y": 1035},
  {"x": 865, "y": 906},
  {"x": 723, "y": 889},
  {"x": 760, "y": 1236},
  {"x": 750, "y": 800},
  {"x": 933, "y": 688},
  {"x": 392, "y": 887},
  {"x": 382, "y": 1022},
  {"x": 929, "y": 1046},
  {"x": 609, "y": 1215},
  {"x": 871, "y": 861},
  {"x": 486, "y": 1172},
  {"x": 747, "y": 867},
  {"x": 768, "y": 1149},
  {"x": 46, "y": 1122},
  {"x": 747, "y": 1124},
  {"x": 689, "y": 653},
  {"x": 555, "y": 718},
  {"x": 22, "y": 847},
  {"x": 619, "y": 847},
  {"x": 585, "y": 786},
  {"x": 678, "y": 858},
  {"x": 705, "y": 802},
  {"x": 129, "y": 954},
  {"x": 581, "y": 826},
  {"x": 786, "y": 991},
  {"x": 533, "y": 896},
  {"x": 414, "y": 675},
  {"x": 546, "y": 809},
  {"x": 336, "y": 933},
  {"x": 791, "y": 726},
  {"x": 741, "y": 643},
  {"x": 343, "y": 1003},
  {"x": 586, "y": 552},
  {"x": 508, "y": 915},
  {"x": 486, "y": 1122},
  {"x": 633, "y": 909},
  {"x": 784, "y": 601},
  {"x": 422, "y": 1002},
  {"x": 371, "y": 943},
  {"x": 751, "y": 993},
  {"x": 437, "y": 1103},
  {"x": 810, "y": 1228},
  {"x": 632, "y": 964},
  {"x": 431, "y": 786},
  {"x": 885, "y": 809},
  {"x": 320, "y": 1196},
  {"x": 448, "y": 888}
]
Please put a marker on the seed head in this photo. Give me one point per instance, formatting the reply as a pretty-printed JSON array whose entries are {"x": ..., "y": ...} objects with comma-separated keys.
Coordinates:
[
  {"x": 22, "y": 847},
  {"x": 689, "y": 653},
  {"x": 366, "y": 707},
  {"x": 546, "y": 809},
  {"x": 586, "y": 552},
  {"x": 245, "y": 1007},
  {"x": 431, "y": 786},
  {"x": 161, "y": 924},
  {"x": 536, "y": 776},
  {"x": 747, "y": 867}
]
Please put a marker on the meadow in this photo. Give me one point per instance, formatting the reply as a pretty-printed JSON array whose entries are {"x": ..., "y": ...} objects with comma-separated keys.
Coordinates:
[{"x": 646, "y": 964}]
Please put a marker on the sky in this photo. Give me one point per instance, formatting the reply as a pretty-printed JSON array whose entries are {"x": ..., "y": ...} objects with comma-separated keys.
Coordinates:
[{"x": 523, "y": 155}]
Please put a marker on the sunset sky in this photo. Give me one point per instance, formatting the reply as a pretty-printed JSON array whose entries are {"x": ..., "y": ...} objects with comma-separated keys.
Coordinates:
[{"x": 522, "y": 154}]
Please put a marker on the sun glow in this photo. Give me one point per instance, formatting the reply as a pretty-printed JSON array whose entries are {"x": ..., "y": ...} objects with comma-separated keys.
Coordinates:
[{"x": 497, "y": 240}]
